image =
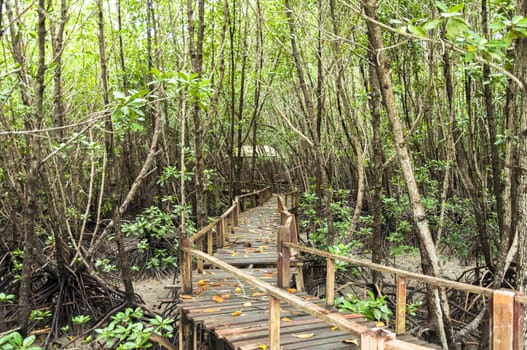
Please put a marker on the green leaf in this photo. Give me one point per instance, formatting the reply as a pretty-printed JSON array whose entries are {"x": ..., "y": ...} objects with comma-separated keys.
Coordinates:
[
  {"x": 28, "y": 341},
  {"x": 119, "y": 95},
  {"x": 377, "y": 314},
  {"x": 432, "y": 24},
  {"x": 417, "y": 31},
  {"x": 455, "y": 27},
  {"x": 441, "y": 6},
  {"x": 456, "y": 9}
]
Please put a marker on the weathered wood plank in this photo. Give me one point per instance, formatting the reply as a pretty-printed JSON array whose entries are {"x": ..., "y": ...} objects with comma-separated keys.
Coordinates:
[{"x": 400, "y": 305}]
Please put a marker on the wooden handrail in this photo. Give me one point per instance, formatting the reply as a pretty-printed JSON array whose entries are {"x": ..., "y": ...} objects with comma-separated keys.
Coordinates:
[
  {"x": 507, "y": 306},
  {"x": 434, "y": 281}
]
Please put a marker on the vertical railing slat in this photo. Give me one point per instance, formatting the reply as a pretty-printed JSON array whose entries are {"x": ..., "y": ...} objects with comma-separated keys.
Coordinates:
[
  {"x": 502, "y": 320},
  {"x": 400, "y": 306},
  {"x": 209, "y": 241},
  {"x": 274, "y": 323},
  {"x": 330, "y": 282},
  {"x": 519, "y": 326}
]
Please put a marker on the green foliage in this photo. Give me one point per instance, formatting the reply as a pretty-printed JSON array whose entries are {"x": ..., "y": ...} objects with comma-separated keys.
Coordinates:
[
  {"x": 198, "y": 90},
  {"x": 105, "y": 265},
  {"x": 6, "y": 298},
  {"x": 412, "y": 308},
  {"x": 374, "y": 309},
  {"x": 128, "y": 114},
  {"x": 39, "y": 315},
  {"x": 317, "y": 227},
  {"x": 344, "y": 250},
  {"x": 127, "y": 331},
  {"x": 80, "y": 319},
  {"x": 156, "y": 231},
  {"x": 15, "y": 341},
  {"x": 504, "y": 30}
]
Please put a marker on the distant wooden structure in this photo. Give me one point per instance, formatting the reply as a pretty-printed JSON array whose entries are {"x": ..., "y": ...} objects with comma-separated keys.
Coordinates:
[{"x": 252, "y": 307}]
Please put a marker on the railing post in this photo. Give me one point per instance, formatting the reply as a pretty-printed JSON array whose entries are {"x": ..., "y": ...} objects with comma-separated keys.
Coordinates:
[
  {"x": 330, "y": 282},
  {"x": 375, "y": 339},
  {"x": 187, "y": 268},
  {"x": 199, "y": 246},
  {"x": 400, "y": 305},
  {"x": 236, "y": 214},
  {"x": 284, "y": 258},
  {"x": 220, "y": 232},
  {"x": 502, "y": 320},
  {"x": 209, "y": 241},
  {"x": 274, "y": 323},
  {"x": 519, "y": 325}
]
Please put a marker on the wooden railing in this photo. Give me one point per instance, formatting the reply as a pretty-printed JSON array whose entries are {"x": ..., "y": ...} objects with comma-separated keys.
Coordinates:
[
  {"x": 507, "y": 306},
  {"x": 371, "y": 339},
  {"x": 216, "y": 232}
]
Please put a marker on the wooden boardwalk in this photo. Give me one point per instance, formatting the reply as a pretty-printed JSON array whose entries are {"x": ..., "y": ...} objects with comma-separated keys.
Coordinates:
[
  {"x": 235, "y": 313},
  {"x": 228, "y": 313}
]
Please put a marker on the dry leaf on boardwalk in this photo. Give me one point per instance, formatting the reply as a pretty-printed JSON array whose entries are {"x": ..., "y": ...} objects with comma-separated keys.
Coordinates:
[
  {"x": 247, "y": 304},
  {"x": 258, "y": 294},
  {"x": 285, "y": 319},
  {"x": 217, "y": 299},
  {"x": 237, "y": 290},
  {"x": 304, "y": 335},
  {"x": 291, "y": 290},
  {"x": 186, "y": 297},
  {"x": 213, "y": 309},
  {"x": 262, "y": 346},
  {"x": 237, "y": 313}
]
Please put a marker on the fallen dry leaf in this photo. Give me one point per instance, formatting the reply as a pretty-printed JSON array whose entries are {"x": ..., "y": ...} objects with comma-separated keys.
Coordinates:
[
  {"x": 212, "y": 309},
  {"x": 225, "y": 296},
  {"x": 202, "y": 282},
  {"x": 291, "y": 290},
  {"x": 217, "y": 299},
  {"x": 304, "y": 335},
  {"x": 379, "y": 324},
  {"x": 351, "y": 341},
  {"x": 334, "y": 328},
  {"x": 237, "y": 313},
  {"x": 247, "y": 304},
  {"x": 186, "y": 297},
  {"x": 237, "y": 290},
  {"x": 285, "y": 319},
  {"x": 262, "y": 346},
  {"x": 258, "y": 294},
  {"x": 216, "y": 284}
]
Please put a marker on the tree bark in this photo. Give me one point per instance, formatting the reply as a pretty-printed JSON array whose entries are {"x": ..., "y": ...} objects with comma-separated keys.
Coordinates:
[{"x": 423, "y": 230}]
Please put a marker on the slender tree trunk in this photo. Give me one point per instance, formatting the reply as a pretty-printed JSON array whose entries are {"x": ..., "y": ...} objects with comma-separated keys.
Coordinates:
[
  {"x": 521, "y": 227},
  {"x": 314, "y": 116},
  {"x": 353, "y": 137},
  {"x": 423, "y": 230},
  {"x": 196, "y": 56}
]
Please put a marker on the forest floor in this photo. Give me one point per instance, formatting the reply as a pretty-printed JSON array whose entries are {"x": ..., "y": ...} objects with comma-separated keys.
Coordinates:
[{"x": 153, "y": 291}]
